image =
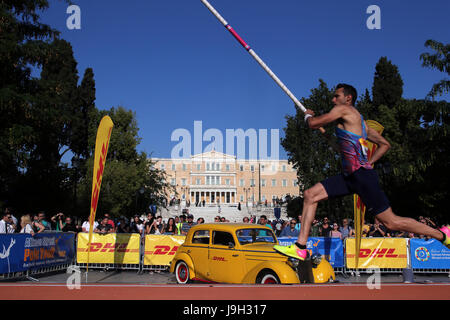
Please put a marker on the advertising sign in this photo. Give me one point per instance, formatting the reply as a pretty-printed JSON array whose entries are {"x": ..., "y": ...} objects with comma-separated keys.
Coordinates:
[
  {"x": 22, "y": 252},
  {"x": 114, "y": 248},
  {"x": 331, "y": 248},
  {"x": 378, "y": 253},
  {"x": 160, "y": 249},
  {"x": 429, "y": 254}
]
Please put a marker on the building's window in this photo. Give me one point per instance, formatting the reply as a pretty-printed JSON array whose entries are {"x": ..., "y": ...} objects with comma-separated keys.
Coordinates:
[
  {"x": 252, "y": 168},
  {"x": 274, "y": 182},
  {"x": 183, "y": 181},
  {"x": 207, "y": 166},
  {"x": 283, "y": 168},
  {"x": 241, "y": 183},
  {"x": 173, "y": 181},
  {"x": 227, "y": 167},
  {"x": 284, "y": 183},
  {"x": 173, "y": 167},
  {"x": 163, "y": 166},
  {"x": 199, "y": 166},
  {"x": 273, "y": 168},
  {"x": 184, "y": 167},
  {"x": 242, "y": 198},
  {"x": 198, "y": 181},
  {"x": 252, "y": 182},
  {"x": 241, "y": 167},
  {"x": 263, "y": 198},
  {"x": 262, "y": 168},
  {"x": 263, "y": 182},
  {"x": 208, "y": 180},
  {"x": 227, "y": 182}
]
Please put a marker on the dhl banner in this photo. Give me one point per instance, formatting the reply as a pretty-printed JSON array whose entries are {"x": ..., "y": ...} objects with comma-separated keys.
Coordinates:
[
  {"x": 378, "y": 253},
  {"x": 117, "y": 248},
  {"x": 101, "y": 150},
  {"x": 160, "y": 249}
]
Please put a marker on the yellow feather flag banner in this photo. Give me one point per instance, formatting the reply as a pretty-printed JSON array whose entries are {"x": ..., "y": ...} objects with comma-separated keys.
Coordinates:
[
  {"x": 101, "y": 150},
  {"x": 358, "y": 206}
]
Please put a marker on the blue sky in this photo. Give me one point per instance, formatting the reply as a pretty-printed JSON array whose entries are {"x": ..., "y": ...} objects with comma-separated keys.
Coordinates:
[{"x": 173, "y": 63}]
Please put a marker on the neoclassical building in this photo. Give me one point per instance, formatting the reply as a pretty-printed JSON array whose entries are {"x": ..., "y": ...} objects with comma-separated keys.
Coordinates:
[{"x": 217, "y": 178}]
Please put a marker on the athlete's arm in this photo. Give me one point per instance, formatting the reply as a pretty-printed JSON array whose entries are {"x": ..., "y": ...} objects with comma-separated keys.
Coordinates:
[
  {"x": 320, "y": 121},
  {"x": 382, "y": 143}
]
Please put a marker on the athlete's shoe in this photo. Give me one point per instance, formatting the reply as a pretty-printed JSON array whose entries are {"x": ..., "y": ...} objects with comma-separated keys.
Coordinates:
[
  {"x": 292, "y": 251},
  {"x": 446, "y": 231}
]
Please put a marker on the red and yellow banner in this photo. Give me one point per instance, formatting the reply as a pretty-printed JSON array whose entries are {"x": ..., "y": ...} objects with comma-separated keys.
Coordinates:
[
  {"x": 358, "y": 206},
  {"x": 160, "y": 249},
  {"x": 117, "y": 248},
  {"x": 101, "y": 150},
  {"x": 378, "y": 253}
]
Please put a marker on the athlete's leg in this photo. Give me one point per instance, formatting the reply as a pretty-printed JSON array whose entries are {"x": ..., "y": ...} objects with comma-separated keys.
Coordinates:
[
  {"x": 312, "y": 197},
  {"x": 397, "y": 223}
]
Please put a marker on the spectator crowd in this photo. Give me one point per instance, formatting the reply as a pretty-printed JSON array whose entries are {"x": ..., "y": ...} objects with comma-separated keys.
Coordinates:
[{"x": 180, "y": 225}]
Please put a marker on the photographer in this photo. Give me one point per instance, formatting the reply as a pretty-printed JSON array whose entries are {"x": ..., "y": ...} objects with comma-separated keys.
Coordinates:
[{"x": 58, "y": 221}]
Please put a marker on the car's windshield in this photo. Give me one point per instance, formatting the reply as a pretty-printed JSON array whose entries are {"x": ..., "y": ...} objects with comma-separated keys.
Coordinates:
[{"x": 254, "y": 235}]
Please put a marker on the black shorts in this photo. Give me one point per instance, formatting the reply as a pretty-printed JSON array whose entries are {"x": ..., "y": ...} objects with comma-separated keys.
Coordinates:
[{"x": 363, "y": 182}]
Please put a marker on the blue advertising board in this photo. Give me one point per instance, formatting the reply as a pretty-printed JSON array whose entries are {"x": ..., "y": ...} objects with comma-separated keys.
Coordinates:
[
  {"x": 22, "y": 252},
  {"x": 331, "y": 248},
  {"x": 429, "y": 254}
]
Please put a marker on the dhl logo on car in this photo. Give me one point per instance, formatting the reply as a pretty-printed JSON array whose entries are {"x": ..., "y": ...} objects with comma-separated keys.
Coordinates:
[
  {"x": 377, "y": 253},
  {"x": 108, "y": 247},
  {"x": 163, "y": 250}
]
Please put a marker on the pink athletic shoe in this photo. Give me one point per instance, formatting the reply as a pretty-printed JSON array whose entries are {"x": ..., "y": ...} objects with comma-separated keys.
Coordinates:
[{"x": 446, "y": 231}]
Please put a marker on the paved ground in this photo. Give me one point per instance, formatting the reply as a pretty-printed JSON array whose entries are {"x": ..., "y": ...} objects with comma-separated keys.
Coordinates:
[{"x": 132, "y": 277}]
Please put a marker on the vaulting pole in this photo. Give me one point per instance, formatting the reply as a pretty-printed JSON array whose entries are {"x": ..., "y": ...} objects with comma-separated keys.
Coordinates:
[{"x": 256, "y": 57}]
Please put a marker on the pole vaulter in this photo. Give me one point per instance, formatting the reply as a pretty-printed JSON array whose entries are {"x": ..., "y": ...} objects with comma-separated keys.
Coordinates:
[{"x": 298, "y": 104}]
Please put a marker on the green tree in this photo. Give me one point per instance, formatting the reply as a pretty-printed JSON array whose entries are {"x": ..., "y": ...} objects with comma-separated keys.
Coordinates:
[
  {"x": 439, "y": 60},
  {"x": 387, "y": 84}
]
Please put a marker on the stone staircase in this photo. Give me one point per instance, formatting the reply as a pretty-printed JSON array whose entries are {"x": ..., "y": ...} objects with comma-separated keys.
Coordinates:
[{"x": 230, "y": 213}]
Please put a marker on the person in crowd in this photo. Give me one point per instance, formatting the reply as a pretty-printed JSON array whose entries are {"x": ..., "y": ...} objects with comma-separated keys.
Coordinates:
[
  {"x": 245, "y": 220},
  {"x": 149, "y": 224},
  {"x": 26, "y": 225},
  {"x": 222, "y": 219},
  {"x": 159, "y": 225},
  {"x": 346, "y": 230},
  {"x": 136, "y": 225},
  {"x": 85, "y": 227},
  {"x": 110, "y": 221},
  {"x": 335, "y": 233},
  {"x": 325, "y": 229},
  {"x": 290, "y": 230},
  {"x": 200, "y": 220},
  {"x": 6, "y": 224},
  {"x": 104, "y": 227},
  {"x": 315, "y": 228},
  {"x": 179, "y": 224},
  {"x": 378, "y": 230},
  {"x": 122, "y": 226},
  {"x": 69, "y": 226},
  {"x": 217, "y": 219},
  {"x": 299, "y": 222},
  {"x": 188, "y": 225},
  {"x": 47, "y": 225},
  {"x": 263, "y": 221},
  {"x": 171, "y": 227},
  {"x": 57, "y": 221},
  {"x": 365, "y": 229}
]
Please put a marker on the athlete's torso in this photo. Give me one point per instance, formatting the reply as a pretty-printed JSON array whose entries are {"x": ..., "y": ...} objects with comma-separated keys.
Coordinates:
[{"x": 353, "y": 146}]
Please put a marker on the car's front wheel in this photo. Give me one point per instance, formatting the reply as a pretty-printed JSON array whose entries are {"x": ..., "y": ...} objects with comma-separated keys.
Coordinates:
[
  {"x": 267, "y": 277},
  {"x": 182, "y": 272}
]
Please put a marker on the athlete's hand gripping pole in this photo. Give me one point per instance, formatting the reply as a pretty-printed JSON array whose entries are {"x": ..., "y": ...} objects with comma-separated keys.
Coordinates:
[{"x": 298, "y": 104}]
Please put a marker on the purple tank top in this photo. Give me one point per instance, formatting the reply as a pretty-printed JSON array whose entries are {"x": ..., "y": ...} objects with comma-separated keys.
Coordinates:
[{"x": 353, "y": 149}]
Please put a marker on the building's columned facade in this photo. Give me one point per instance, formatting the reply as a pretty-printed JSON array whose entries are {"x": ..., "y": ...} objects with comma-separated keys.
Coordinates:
[{"x": 215, "y": 178}]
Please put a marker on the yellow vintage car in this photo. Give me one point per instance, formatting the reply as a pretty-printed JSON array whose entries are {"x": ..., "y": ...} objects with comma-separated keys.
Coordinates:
[{"x": 239, "y": 253}]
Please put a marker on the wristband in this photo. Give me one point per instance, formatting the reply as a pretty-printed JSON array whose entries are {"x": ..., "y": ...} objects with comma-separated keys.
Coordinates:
[{"x": 307, "y": 116}]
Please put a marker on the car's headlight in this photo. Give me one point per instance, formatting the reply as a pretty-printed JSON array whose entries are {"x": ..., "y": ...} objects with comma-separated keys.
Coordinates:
[
  {"x": 316, "y": 259},
  {"x": 293, "y": 262}
]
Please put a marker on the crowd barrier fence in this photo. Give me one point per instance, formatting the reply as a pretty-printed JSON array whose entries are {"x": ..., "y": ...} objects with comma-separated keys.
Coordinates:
[{"x": 22, "y": 255}]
